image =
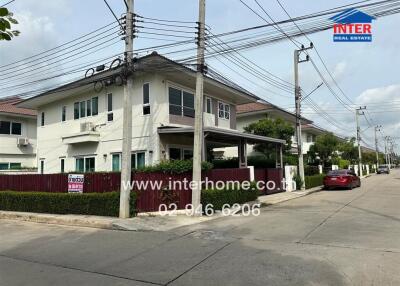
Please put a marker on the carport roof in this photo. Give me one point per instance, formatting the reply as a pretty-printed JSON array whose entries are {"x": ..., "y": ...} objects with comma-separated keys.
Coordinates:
[{"x": 222, "y": 133}]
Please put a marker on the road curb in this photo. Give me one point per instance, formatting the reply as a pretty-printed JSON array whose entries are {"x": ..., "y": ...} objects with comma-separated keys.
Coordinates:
[
  {"x": 68, "y": 220},
  {"x": 141, "y": 223}
]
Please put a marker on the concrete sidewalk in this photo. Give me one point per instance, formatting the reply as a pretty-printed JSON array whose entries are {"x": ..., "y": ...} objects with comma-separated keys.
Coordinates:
[{"x": 143, "y": 222}]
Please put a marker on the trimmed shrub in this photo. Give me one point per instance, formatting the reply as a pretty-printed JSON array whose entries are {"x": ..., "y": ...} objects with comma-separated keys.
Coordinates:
[
  {"x": 314, "y": 181},
  {"x": 311, "y": 170},
  {"x": 174, "y": 167},
  {"x": 228, "y": 196},
  {"x": 101, "y": 204}
]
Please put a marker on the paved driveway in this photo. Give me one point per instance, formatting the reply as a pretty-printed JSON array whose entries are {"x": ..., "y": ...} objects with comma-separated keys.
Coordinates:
[{"x": 327, "y": 238}]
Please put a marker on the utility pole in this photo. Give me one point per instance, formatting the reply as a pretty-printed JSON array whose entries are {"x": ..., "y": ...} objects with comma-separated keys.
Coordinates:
[
  {"x": 198, "y": 108},
  {"x": 386, "y": 150},
  {"x": 390, "y": 147},
  {"x": 377, "y": 128},
  {"x": 127, "y": 115},
  {"x": 359, "y": 138},
  {"x": 297, "y": 96}
]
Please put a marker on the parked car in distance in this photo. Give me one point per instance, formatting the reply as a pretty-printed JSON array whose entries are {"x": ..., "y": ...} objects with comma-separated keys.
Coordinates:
[
  {"x": 341, "y": 179},
  {"x": 383, "y": 169}
]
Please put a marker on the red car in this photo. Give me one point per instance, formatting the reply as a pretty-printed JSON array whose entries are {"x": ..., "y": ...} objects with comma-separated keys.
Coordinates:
[{"x": 341, "y": 179}]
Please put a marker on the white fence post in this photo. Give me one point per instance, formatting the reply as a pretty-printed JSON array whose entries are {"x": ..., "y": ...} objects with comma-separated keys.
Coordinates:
[
  {"x": 251, "y": 169},
  {"x": 290, "y": 172}
]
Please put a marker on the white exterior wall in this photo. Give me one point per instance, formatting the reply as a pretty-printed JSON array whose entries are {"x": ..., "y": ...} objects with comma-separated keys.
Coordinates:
[
  {"x": 51, "y": 147},
  {"x": 10, "y": 152}
]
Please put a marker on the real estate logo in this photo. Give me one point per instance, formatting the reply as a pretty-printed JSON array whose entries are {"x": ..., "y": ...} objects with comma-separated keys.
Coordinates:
[{"x": 352, "y": 25}]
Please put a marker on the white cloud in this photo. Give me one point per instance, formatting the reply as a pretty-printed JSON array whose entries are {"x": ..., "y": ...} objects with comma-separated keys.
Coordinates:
[
  {"x": 37, "y": 34},
  {"x": 339, "y": 70},
  {"x": 381, "y": 94}
]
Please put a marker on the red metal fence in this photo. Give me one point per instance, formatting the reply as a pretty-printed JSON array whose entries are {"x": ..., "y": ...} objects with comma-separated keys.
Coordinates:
[{"x": 149, "y": 196}]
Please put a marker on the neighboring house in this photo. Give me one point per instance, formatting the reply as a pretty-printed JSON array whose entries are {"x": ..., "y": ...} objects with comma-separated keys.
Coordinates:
[
  {"x": 80, "y": 124},
  {"x": 17, "y": 135},
  {"x": 255, "y": 111}
]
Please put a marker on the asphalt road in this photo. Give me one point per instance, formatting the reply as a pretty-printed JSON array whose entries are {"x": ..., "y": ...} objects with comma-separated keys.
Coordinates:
[{"x": 327, "y": 238}]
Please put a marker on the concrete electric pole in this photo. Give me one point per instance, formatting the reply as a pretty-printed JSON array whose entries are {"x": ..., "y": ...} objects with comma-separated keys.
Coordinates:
[
  {"x": 198, "y": 107},
  {"x": 297, "y": 96},
  {"x": 359, "y": 139},
  {"x": 377, "y": 128},
  {"x": 127, "y": 116}
]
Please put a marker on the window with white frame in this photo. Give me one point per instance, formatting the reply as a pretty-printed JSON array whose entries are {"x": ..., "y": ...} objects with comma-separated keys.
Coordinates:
[
  {"x": 85, "y": 164},
  {"x": 10, "y": 128},
  {"x": 224, "y": 110},
  {"x": 10, "y": 166},
  {"x": 138, "y": 160},
  {"x": 146, "y": 99},
  {"x": 42, "y": 119},
  {"x": 63, "y": 113},
  {"x": 116, "y": 162},
  {"x": 181, "y": 102},
  {"x": 110, "y": 114},
  {"x": 86, "y": 108},
  {"x": 179, "y": 153},
  {"x": 62, "y": 165},
  {"x": 208, "y": 105}
]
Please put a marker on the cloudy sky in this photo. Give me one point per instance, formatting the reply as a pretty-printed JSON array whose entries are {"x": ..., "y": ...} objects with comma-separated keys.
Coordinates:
[{"x": 366, "y": 72}]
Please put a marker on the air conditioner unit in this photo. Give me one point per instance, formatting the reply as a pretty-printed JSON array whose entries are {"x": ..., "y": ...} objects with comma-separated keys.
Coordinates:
[
  {"x": 87, "y": 126},
  {"x": 22, "y": 141}
]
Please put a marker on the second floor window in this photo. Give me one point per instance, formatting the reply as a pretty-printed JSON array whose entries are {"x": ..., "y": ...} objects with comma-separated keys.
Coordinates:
[
  {"x": 224, "y": 110},
  {"x": 110, "y": 115},
  {"x": 208, "y": 105},
  {"x": 86, "y": 108},
  {"x": 42, "y": 119},
  {"x": 64, "y": 113},
  {"x": 146, "y": 99},
  {"x": 10, "y": 128},
  {"x": 181, "y": 102}
]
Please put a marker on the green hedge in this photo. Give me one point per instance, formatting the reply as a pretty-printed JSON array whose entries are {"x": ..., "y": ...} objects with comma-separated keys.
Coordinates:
[
  {"x": 101, "y": 204},
  {"x": 174, "y": 167},
  {"x": 314, "y": 181},
  {"x": 228, "y": 196}
]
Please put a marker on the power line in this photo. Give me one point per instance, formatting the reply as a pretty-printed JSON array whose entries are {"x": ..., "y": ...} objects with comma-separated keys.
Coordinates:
[
  {"x": 9, "y": 2},
  {"x": 115, "y": 16}
]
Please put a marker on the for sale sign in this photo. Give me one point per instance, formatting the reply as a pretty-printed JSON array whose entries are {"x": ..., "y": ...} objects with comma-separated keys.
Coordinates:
[{"x": 75, "y": 183}]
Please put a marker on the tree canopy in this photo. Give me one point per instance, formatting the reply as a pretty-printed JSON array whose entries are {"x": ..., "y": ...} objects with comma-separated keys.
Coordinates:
[
  {"x": 6, "y": 20},
  {"x": 349, "y": 150},
  {"x": 275, "y": 128},
  {"x": 325, "y": 147}
]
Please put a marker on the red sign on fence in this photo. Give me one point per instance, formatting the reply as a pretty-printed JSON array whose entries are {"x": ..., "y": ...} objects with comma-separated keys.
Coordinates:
[{"x": 75, "y": 183}]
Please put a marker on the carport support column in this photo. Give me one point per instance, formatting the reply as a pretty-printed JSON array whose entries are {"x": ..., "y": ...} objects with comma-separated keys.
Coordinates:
[
  {"x": 281, "y": 156},
  {"x": 242, "y": 152}
]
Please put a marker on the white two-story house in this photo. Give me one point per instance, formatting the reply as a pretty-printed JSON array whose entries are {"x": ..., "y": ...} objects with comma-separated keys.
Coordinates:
[
  {"x": 79, "y": 125},
  {"x": 17, "y": 135}
]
